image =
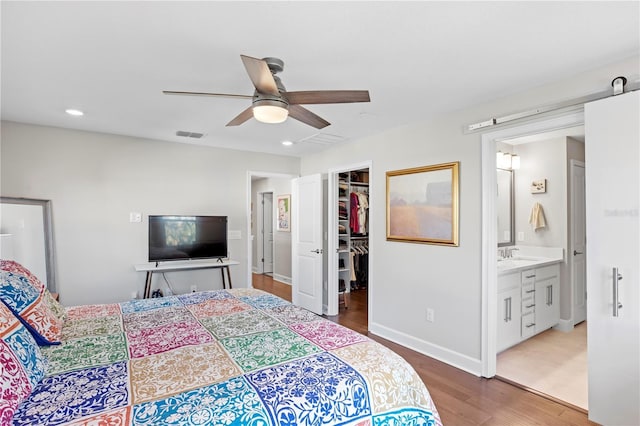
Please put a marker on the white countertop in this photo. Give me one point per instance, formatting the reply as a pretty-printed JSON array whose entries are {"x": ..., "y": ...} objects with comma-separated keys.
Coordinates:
[{"x": 528, "y": 257}]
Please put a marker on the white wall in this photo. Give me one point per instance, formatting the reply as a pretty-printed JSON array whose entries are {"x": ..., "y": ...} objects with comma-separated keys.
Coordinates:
[
  {"x": 94, "y": 180},
  {"x": 542, "y": 160},
  {"x": 282, "y": 240},
  {"x": 405, "y": 278}
]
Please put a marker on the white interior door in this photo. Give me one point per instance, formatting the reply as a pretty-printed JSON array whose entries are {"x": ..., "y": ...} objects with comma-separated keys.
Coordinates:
[
  {"x": 578, "y": 243},
  {"x": 307, "y": 244},
  {"x": 612, "y": 132},
  {"x": 267, "y": 231}
]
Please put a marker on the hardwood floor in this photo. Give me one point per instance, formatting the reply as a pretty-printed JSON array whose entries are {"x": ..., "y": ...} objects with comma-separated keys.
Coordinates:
[{"x": 461, "y": 398}]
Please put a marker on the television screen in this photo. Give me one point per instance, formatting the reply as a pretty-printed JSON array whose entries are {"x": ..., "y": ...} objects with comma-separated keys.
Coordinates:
[{"x": 187, "y": 237}]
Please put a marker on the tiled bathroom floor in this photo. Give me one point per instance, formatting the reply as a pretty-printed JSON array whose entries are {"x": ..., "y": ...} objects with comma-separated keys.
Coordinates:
[{"x": 553, "y": 363}]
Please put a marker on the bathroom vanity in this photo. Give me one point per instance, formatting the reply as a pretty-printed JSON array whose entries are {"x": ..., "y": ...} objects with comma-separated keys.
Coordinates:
[{"x": 528, "y": 294}]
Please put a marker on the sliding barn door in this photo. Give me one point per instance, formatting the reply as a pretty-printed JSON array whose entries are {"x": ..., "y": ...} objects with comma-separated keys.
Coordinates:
[{"x": 612, "y": 136}]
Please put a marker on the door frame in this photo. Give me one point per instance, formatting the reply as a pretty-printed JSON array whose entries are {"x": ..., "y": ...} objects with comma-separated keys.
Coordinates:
[
  {"x": 249, "y": 247},
  {"x": 332, "y": 307},
  {"x": 489, "y": 275}
]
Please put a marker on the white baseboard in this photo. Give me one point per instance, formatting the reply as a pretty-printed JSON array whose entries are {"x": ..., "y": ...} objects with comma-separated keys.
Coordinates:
[
  {"x": 458, "y": 360},
  {"x": 282, "y": 278},
  {"x": 564, "y": 325}
]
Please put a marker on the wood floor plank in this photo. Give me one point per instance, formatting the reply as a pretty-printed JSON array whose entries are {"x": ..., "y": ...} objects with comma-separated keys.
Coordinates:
[{"x": 461, "y": 398}]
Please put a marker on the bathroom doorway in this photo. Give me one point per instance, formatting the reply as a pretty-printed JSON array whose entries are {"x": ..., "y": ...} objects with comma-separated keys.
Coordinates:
[{"x": 554, "y": 361}]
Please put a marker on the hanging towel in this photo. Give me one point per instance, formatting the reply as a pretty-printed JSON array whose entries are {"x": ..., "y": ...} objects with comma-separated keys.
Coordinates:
[{"x": 536, "y": 219}]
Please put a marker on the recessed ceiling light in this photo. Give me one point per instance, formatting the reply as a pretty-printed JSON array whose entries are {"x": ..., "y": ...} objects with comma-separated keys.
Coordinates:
[
  {"x": 74, "y": 112},
  {"x": 287, "y": 143}
]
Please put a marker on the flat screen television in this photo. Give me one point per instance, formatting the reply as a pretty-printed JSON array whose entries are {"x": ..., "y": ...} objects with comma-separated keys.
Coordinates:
[{"x": 187, "y": 237}]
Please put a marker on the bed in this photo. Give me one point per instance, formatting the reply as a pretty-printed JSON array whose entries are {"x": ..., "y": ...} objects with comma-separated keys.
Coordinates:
[{"x": 226, "y": 357}]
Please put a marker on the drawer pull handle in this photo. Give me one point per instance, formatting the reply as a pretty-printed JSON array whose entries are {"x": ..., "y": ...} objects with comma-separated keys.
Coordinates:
[
  {"x": 531, "y": 291},
  {"x": 530, "y": 306},
  {"x": 530, "y": 276},
  {"x": 531, "y": 325}
]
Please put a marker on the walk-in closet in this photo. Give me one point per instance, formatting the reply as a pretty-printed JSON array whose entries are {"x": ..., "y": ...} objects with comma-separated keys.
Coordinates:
[{"x": 353, "y": 235}]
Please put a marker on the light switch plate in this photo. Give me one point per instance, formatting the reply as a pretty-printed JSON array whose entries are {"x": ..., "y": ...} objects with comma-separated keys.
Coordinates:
[{"x": 135, "y": 217}]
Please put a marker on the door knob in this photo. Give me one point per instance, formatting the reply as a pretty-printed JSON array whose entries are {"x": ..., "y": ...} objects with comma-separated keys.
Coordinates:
[
  {"x": 318, "y": 251},
  {"x": 575, "y": 252}
]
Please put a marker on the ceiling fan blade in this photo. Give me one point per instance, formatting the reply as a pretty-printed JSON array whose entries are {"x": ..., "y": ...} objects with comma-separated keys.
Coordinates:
[
  {"x": 327, "y": 97},
  {"x": 260, "y": 75},
  {"x": 242, "y": 117},
  {"x": 307, "y": 117},
  {"x": 220, "y": 95}
]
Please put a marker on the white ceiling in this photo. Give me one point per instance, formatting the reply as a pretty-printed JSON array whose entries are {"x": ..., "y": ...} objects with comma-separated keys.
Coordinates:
[{"x": 417, "y": 59}]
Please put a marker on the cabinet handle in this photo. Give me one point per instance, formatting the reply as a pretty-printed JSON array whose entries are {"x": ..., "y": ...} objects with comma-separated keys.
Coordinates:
[
  {"x": 530, "y": 291},
  {"x": 507, "y": 309},
  {"x": 530, "y": 276},
  {"x": 616, "y": 294},
  {"x": 530, "y": 306},
  {"x": 549, "y": 295}
]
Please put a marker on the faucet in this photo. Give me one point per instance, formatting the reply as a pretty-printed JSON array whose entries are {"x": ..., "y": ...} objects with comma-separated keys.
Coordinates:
[{"x": 508, "y": 252}]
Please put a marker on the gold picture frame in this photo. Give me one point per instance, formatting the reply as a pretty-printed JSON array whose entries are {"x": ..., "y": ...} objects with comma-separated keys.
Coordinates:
[{"x": 422, "y": 204}]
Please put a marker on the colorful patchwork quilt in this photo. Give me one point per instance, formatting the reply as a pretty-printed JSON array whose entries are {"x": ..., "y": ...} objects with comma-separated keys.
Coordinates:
[{"x": 228, "y": 357}]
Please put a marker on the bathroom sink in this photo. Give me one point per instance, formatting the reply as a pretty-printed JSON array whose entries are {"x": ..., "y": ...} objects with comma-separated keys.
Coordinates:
[{"x": 519, "y": 262}]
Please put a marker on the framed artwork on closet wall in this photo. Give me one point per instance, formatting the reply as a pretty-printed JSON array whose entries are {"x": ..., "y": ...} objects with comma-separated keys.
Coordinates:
[
  {"x": 422, "y": 204},
  {"x": 284, "y": 213}
]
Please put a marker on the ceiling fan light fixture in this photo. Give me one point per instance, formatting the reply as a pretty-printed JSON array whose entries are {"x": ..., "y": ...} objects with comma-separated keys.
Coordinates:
[{"x": 269, "y": 111}]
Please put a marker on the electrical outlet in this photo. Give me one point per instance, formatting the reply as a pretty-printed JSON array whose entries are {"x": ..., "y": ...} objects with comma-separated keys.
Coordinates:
[
  {"x": 194, "y": 288},
  {"x": 431, "y": 315}
]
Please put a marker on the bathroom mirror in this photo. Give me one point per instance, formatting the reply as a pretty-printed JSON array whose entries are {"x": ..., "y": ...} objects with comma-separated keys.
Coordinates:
[{"x": 505, "y": 208}]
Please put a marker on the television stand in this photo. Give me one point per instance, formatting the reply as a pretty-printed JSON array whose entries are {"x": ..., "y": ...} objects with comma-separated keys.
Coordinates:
[{"x": 189, "y": 265}]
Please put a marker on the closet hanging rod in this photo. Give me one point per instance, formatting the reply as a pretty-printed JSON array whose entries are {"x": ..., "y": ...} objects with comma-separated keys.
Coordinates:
[{"x": 619, "y": 85}]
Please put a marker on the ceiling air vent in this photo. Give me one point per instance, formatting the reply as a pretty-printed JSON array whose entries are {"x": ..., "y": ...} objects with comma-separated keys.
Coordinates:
[
  {"x": 324, "y": 139},
  {"x": 189, "y": 134}
]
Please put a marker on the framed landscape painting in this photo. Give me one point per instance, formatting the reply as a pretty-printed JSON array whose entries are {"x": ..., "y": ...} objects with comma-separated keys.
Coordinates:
[{"x": 422, "y": 204}]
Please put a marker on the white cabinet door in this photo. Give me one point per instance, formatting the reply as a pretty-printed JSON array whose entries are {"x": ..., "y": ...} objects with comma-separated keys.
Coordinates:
[
  {"x": 547, "y": 303},
  {"x": 612, "y": 132},
  {"x": 509, "y": 313}
]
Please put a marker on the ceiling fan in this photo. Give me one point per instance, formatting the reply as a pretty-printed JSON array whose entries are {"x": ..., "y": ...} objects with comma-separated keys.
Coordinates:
[{"x": 271, "y": 103}]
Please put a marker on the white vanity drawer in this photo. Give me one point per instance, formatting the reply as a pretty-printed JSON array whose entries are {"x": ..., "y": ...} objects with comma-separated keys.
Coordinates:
[
  {"x": 528, "y": 290},
  {"x": 528, "y": 325},
  {"x": 528, "y": 305},
  {"x": 528, "y": 276}
]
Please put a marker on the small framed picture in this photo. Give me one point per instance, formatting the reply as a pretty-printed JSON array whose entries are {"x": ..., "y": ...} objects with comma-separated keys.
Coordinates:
[
  {"x": 539, "y": 186},
  {"x": 284, "y": 213}
]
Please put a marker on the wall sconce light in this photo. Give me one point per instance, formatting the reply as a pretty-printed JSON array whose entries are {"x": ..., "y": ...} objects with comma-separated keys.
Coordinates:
[
  {"x": 515, "y": 161},
  {"x": 505, "y": 160}
]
